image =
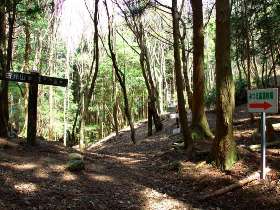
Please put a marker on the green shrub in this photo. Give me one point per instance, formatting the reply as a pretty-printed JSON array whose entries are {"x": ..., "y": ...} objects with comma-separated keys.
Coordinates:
[
  {"x": 210, "y": 98},
  {"x": 240, "y": 92}
]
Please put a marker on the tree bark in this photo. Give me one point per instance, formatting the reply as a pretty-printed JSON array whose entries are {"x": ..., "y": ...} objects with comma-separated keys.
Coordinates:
[
  {"x": 199, "y": 119},
  {"x": 224, "y": 147},
  {"x": 188, "y": 143},
  {"x": 7, "y": 66},
  {"x": 3, "y": 119}
]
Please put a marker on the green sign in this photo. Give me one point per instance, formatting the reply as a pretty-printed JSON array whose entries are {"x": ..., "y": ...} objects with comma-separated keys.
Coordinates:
[{"x": 263, "y": 100}]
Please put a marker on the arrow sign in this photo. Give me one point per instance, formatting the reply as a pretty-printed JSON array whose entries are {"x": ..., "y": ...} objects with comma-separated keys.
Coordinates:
[
  {"x": 263, "y": 105},
  {"x": 263, "y": 100}
]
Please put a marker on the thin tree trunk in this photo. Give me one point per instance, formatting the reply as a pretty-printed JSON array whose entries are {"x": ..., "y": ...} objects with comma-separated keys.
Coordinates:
[
  {"x": 185, "y": 67},
  {"x": 3, "y": 119},
  {"x": 135, "y": 24},
  {"x": 188, "y": 143},
  {"x": 121, "y": 78},
  {"x": 25, "y": 69},
  {"x": 51, "y": 101},
  {"x": 7, "y": 65},
  {"x": 115, "y": 106},
  {"x": 89, "y": 93},
  {"x": 248, "y": 55},
  {"x": 51, "y": 45},
  {"x": 224, "y": 147},
  {"x": 66, "y": 102},
  {"x": 153, "y": 93}
]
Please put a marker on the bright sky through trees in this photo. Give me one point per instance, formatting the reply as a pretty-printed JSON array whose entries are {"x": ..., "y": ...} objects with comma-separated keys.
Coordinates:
[{"x": 76, "y": 22}]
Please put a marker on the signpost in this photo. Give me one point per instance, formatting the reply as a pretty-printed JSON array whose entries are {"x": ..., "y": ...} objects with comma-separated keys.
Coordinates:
[
  {"x": 263, "y": 101},
  {"x": 28, "y": 78},
  {"x": 34, "y": 79}
]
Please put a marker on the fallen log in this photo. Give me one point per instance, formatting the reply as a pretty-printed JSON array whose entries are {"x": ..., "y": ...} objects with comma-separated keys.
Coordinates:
[
  {"x": 276, "y": 126},
  {"x": 240, "y": 183},
  {"x": 5, "y": 144},
  {"x": 257, "y": 147}
]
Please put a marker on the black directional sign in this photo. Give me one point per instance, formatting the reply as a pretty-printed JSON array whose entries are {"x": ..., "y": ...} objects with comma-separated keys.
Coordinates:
[
  {"x": 29, "y": 78},
  {"x": 34, "y": 79}
]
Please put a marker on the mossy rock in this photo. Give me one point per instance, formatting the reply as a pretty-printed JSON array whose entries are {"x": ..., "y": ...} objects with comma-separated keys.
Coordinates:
[
  {"x": 75, "y": 156},
  {"x": 197, "y": 134},
  {"x": 75, "y": 165},
  {"x": 175, "y": 166}
]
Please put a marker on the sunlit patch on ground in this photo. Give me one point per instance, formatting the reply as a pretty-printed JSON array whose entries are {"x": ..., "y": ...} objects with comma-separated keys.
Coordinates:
[
  {"x": 67, "y": 176},
  {"x": 150, "y": 175},
  {"x": 245, "y": 133},
  {"x": 57, "y": 167},
  {"x": 132, "y": 155},
  {"x": 26, "y": 166},
  {"x": 41, "y": 173},
  {"x": 25, "y": 187},
  {"x": 101, "y": 178},
  {"x": 155, "y": 200}
]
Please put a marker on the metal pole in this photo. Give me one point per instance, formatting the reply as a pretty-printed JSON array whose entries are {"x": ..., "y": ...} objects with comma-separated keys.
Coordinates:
[{"x": 263, "y": 132}]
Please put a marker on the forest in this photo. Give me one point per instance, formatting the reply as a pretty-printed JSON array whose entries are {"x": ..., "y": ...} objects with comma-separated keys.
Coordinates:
[{"x": 139, "y": 104}]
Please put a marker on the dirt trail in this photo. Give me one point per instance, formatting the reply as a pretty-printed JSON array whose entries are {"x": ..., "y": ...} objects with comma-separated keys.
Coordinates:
[{"x": 120, "y": 175}]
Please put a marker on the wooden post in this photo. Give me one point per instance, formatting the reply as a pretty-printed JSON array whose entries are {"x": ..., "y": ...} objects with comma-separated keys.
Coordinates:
[{"x": 32, "y": 109}]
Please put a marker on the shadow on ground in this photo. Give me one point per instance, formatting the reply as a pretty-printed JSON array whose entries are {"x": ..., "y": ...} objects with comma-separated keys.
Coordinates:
[{"x": 120, "y": 175}]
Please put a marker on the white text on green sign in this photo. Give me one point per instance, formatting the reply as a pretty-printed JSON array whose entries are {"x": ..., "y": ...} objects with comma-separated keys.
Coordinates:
[{"x": 263, "y": 100}]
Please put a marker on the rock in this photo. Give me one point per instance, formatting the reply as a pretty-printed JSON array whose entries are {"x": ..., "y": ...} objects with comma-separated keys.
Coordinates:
[
  {"x": 75, "y": 156},
  {"x": 75, "y": 165}
]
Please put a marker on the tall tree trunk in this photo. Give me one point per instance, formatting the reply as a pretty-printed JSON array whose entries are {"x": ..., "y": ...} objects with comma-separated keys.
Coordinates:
[
  {"x": 179, "y": 78},
  {"x": 26, "y": 67},
  {"x": 248, "y": 53},
  {"x": 199, "y": 119},
  {"x": 89, "y": 92},
  {"x": 247, "y": 49},
  {"x": 3, "y": 119},
  {"x": 51, "y": 45},
  {"x": 150, "y": 117},
  {"x": 66, "y": 100},
  {"x": 185, "y": 72},
  {"x": 7, "y": 66},
  {"x": 152, "y": 111},
  {"x": 121, "y": 78},
  {"x": 224, "y": 147},
  {"x": 146, "y": 70},
  {"x": 135, "y": 24},
  {"x": 51, "y": 97},
  {"x": 185, "y": 58},
  {"x": 115, "y": 102}
]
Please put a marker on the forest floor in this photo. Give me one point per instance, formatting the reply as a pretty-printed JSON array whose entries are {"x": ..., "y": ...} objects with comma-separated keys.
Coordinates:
[{"x": 148, "y": 175}]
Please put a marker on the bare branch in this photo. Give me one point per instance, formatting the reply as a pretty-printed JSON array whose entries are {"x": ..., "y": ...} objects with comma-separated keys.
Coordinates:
[
  {"x": 159, "y": 37},
  {"x": 181, "y": 9},
  {"x": 88, "y": 11},
  {"x": 209, "y": 17},
  {"x": 163, "y": 5},
  {"x": 103, "y": 44},
  {"x": 133, "y": 48}
]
